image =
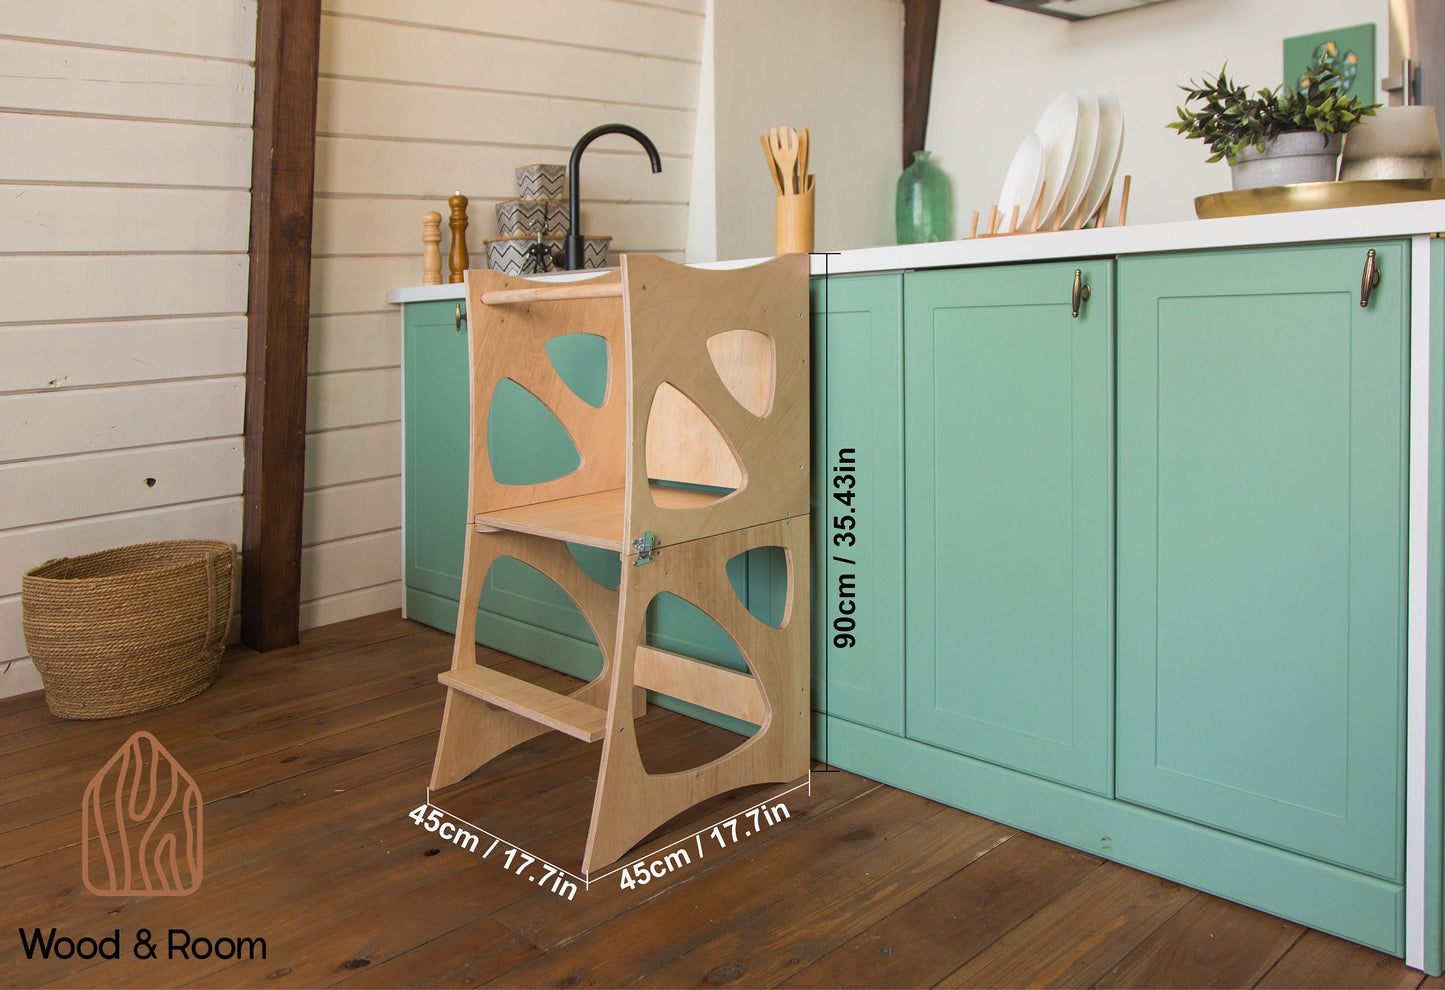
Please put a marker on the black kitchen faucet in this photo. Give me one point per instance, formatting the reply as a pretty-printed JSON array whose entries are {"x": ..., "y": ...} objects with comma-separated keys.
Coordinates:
[{"x": 574, "y": 242}]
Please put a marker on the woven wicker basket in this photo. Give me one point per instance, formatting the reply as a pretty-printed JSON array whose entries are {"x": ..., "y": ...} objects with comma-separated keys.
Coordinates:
[{"x": 129, "y": 629}]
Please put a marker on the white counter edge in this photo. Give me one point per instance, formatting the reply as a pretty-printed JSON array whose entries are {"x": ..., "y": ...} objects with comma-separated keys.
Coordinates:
[{"x": 1353, "y": 223}]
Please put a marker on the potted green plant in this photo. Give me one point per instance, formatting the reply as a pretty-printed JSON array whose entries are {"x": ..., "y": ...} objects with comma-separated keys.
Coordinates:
[{"x": 1277, "y": 136}]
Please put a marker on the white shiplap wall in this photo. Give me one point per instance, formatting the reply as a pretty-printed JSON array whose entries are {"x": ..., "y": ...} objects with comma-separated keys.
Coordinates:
[
  {"x": 125, "y": 157},
  {"x": 417, "y": 100}
]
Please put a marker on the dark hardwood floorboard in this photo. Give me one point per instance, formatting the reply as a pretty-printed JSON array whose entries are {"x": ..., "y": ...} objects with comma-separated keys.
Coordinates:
[
  {"x": 309, "y": 760},
  {"x": 955, "y": 919},
  {"x": 1317, "y": 960},
  {"x": 1209, "y": 942},
  {"x": 1080, "y": 935}
]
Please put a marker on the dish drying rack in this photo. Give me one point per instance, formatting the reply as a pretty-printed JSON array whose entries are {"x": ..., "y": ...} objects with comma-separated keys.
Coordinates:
[{"x": 1058, "y": 222}]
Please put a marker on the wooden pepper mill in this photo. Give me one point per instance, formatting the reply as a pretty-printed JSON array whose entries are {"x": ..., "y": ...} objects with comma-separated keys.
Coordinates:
[
  {"x": 431, "y": 252},
  {"x": 459, "y": 259}
]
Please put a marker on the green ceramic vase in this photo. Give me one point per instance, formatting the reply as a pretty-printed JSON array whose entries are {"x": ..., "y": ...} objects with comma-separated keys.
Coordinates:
[{"x": 925, "y": 202}]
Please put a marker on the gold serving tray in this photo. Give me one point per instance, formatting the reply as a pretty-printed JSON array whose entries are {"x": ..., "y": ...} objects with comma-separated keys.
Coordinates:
[{"x": 1316, "y": 196}]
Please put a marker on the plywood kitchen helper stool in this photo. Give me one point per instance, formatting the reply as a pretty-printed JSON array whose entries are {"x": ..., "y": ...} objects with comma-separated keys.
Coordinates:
[{"x": 698, "y": 453}]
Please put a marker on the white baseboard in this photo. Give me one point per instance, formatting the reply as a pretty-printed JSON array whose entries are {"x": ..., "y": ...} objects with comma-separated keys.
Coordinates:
[{"x": 18, "y": 677}]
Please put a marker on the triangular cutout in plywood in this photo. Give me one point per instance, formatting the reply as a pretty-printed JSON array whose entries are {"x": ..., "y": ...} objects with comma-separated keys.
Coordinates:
[
  {"x": 513, "y": 584},
  {"x": 526, "y": 443},
  {"x": 684, "y": 445},
  {"x": 769, "y": 584},
  {"x": 686, "y": 656},
  {"x": 747, "y": 364},
  {"x": 581, "y": 362}
]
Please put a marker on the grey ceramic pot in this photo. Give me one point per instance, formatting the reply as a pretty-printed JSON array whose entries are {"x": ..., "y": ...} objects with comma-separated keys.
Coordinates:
[{"x": 1299, "y": 156}]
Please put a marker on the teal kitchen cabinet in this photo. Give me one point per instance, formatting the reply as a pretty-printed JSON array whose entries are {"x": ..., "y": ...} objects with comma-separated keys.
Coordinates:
[
  {"x": 1009, "y": 453},
  {"x": 1261, "y": 561},
  {"x": 522, "y": 612},
  {"x": 858, "y": 500}
]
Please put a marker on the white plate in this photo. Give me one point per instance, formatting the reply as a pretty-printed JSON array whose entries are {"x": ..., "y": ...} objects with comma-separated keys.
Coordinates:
[
  {"x": 1058, "y": 131},
  {"x": 1111, "y": 146},
  {"x": 1084, "y": 158},
  {"x": 1021, "y": 185}
]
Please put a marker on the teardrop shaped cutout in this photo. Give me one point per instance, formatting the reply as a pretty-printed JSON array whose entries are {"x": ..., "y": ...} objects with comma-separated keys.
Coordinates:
[
  {"x": 684, "y": 445},
  {"x": 676, "y": 625},
  {"x": 526, "y": 443},
  {"x": 530, "y": 591},
  {"x": 747, "y": 364},
  {"x": 581, "y": 363},
  {"x": 769, "y": 586}
]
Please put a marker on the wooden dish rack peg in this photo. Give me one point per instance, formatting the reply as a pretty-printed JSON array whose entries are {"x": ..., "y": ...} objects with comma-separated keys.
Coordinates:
[{"x": 1059, "y": 221}]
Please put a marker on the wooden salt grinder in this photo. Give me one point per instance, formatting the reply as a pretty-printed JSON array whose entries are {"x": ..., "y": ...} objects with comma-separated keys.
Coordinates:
[
  {"x": 431, "y": 252},
  {"x": 459, "y": 259}
]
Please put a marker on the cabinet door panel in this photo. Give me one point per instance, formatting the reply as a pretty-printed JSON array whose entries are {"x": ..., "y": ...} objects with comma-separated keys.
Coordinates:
[
  {"x": 1261, "y": 530},
  {"x": 1009, "y": 528},
  {"x": 858, "y": 537}
]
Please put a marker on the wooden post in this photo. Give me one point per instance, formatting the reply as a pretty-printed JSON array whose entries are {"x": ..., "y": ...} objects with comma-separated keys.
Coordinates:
[
  {"x": 283, "y": 162},
  {"x": 920, "y": 36}
]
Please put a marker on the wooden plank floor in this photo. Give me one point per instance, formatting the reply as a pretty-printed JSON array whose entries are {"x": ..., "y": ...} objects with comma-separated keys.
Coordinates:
[{"x": 310, "y": 759}]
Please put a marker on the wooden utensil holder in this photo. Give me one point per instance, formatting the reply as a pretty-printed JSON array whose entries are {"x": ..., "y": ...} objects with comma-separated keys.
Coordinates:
[{"x": 794, "y": 227}]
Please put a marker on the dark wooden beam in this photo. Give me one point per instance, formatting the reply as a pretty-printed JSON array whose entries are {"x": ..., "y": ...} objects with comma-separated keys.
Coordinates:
[
  {"x": 283, "y": 164},
  {"x": 920, "y": 35}
]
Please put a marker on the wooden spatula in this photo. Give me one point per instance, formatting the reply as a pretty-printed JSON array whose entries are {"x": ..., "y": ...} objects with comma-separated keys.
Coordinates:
[{"x": 772, "y": 164}]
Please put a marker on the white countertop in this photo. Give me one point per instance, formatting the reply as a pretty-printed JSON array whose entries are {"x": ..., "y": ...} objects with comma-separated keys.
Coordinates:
[{"x": 1354, "y": 223}]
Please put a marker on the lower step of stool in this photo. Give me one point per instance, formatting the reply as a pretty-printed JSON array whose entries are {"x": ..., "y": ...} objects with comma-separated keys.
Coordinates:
[{"x": 556, "y": 711}]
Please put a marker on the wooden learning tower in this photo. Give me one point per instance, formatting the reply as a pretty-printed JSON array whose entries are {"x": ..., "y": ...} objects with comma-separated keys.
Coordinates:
[{"x": 699, "y": 452}]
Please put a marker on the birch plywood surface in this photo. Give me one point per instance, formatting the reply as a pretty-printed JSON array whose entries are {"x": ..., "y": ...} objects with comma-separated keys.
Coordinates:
[
  {"x": 670, "y": 323},
  {"x": 509, "y": 342}
]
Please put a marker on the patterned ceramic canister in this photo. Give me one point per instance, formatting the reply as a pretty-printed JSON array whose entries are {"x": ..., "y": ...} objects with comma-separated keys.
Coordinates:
[
  {"x": 542, "y": 182},
  {"x": 522, "y": 216},
  {"x": 518, "y": 255}
]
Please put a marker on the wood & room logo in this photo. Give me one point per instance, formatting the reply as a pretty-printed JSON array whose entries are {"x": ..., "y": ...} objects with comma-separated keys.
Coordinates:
[{"x": 141, "y": 825}]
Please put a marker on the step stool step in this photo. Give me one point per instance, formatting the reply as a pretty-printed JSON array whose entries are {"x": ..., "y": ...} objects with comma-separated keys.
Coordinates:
[{"x": 556, "y": 711}]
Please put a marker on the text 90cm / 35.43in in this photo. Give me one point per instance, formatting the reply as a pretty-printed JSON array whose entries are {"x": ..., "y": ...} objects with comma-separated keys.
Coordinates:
[{"x": 843, "y": 511}]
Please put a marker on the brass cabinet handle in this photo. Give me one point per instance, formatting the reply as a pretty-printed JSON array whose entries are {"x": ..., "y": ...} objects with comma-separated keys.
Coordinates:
[
  {"x": 1081, "y": 291},
  {"x": 459, "y": 317},
  {"x": 1369, "y": 279}
]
